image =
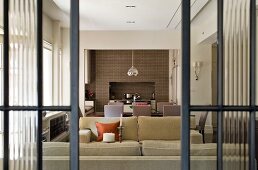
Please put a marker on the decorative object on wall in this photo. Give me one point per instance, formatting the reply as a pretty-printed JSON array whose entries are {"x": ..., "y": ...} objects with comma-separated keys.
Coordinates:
[
  {"x": 197, "y": 69},
  {"x": 132, "y": 71}
]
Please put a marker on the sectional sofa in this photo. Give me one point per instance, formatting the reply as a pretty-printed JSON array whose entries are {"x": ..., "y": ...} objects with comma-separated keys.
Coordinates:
[{"x": 149, "y": 143}]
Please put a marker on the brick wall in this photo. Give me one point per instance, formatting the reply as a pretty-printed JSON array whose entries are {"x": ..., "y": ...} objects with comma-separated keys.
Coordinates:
[{"x": 112, "y": 66}]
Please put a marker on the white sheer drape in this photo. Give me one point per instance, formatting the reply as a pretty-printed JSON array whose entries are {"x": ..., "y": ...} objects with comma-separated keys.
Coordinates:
[
  {"x": 236, "y": 87},
  {"x": 23, "y": 83}
]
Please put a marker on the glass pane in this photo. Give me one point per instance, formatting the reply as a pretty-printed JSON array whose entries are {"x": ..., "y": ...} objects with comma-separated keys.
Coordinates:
[
  {"x": 235, "y": 144},
  {"x": 203, "y": 64},
  {"x": 22, "y": 57},
  {"x": 236, "y": 52},
  {"x": 55, "y": 138},
  {"x": 22, "y": 140},
  {"x": 56, "y": 53},
  {"x": 203, "y": 146}
]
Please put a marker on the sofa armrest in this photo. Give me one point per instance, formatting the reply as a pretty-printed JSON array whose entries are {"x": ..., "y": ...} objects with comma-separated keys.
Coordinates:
[
  {"x": 195, "y": 137},
  {"x": 85, "y": 135}
]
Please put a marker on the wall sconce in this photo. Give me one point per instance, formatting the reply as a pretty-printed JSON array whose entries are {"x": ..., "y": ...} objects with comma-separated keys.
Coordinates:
[{"x": 197, "y": 69}]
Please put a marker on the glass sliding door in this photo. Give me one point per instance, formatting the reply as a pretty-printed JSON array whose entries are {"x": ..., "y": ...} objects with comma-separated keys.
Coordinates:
[
  {"x": 233, "y": 102},
  {"x": 25, "y": 117},
  {"x": 22, "y": 88}
]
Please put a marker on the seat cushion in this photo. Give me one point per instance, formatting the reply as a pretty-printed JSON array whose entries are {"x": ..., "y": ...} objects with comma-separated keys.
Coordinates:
[
  {"x": 129, "y": 123},
  {"x": 173, "y": 148},
  {"x": 126, "y": 148},
  {"x": 56, "y": 149},
  {"x": 159, "y": 128}
]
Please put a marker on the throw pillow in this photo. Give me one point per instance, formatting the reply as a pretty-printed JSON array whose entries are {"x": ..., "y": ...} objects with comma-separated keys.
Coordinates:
[{"x": 107, "y": 128}]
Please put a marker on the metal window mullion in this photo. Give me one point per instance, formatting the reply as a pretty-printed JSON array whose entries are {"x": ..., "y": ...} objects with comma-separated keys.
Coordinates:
[
  {"x": 185, "y": 131},
  {"x": 252, "y": 118},
  {"x": 6, "y": 85},
  {"x": 220, "y": 87},
  {"x": 74, "y": 46},
  {"x": 39, "y": 82}
]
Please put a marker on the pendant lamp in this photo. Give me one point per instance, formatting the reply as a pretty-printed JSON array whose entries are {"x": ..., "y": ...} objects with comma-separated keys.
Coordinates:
[{"x": 132, "y": 71}]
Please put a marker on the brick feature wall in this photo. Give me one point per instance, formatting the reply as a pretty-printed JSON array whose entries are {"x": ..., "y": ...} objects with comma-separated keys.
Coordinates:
[{"x": 112, "y": 66}]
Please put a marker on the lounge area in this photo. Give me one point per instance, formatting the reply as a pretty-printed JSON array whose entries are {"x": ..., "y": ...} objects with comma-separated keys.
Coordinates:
[{"x": 146, "y": 142}]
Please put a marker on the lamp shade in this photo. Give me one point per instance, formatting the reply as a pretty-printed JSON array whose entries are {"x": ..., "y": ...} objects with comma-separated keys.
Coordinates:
[{"x": 132, "y": 71}]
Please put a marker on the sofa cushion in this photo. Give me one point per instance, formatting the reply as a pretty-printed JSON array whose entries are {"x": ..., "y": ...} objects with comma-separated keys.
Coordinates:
[
  {"x": 159, "y": 128},
  {"x": 126, "y": 148},
  {"x": 56, "y": 149},
  {"x": 84, "y": 136},
  {"x": 173, "y": 148},
  {"x": 129, "y": 123}
]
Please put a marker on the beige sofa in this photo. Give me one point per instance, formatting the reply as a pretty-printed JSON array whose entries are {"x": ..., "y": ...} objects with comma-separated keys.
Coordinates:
[{"x": 149, "y": 143}]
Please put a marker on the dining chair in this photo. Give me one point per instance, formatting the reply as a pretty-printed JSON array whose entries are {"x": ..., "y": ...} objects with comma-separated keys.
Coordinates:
[
  {"x": 141, "y": 110},
  {"x": 171, "y": 110},
  {"x": 113, "y": 110},
  {"x": 115, "y": 103},
  {"x": 161, "y": 104},
  {"x": 201, "y": 125}
]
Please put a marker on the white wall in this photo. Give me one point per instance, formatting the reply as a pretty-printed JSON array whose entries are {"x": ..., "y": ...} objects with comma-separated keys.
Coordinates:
[
  {"x": 205, "y": 23},
  {"x": 202, "y": 28},
  {"x": 129, "y": 40},
  {"x": 201, "y": 89},
  {"x": 47, "y": 29}
]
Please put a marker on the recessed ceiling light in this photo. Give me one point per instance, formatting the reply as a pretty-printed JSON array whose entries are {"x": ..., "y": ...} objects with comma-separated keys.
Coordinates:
[
  {"x": 130, "y": 6},
  {"x": 130, "y": 22}
]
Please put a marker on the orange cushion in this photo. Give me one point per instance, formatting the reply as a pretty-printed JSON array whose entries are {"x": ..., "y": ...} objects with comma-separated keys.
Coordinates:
[{"x": 107, "y": 128}]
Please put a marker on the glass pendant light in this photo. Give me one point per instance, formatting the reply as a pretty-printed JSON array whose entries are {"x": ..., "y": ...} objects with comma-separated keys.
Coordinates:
[{"x": 132, "y": 71}]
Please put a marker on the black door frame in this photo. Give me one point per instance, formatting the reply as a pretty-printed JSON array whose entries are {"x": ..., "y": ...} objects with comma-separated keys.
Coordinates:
[
  {"x": 74, "y": 108},
  {"x": 186, "y": 106},
  {"x": 220, "y": 108}
]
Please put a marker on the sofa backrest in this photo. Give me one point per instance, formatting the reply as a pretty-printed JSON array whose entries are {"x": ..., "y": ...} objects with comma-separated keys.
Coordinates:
[
  {"x": 129, "y": 123},
  {"x": 159, "y": 128}
]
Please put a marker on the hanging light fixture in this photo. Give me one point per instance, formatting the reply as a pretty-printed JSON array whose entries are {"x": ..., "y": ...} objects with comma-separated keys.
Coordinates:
[{"x": 132, "y": 71}]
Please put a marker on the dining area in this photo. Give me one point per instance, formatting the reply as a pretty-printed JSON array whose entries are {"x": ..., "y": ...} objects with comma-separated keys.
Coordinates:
[
  {"x": 115, "y": 109},
  {"x": 143, "y": 108}
]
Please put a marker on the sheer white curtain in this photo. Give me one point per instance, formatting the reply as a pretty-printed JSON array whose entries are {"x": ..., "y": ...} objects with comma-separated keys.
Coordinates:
[
  {"x": 23, "y": 83},
  {"x": 236, "y": 78}
]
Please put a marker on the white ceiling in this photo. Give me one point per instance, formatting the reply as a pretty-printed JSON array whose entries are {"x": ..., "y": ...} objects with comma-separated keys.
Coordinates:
[{"x": 114, "y": 15}]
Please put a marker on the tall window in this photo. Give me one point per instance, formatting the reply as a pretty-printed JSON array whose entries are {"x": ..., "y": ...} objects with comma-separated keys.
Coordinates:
[{"x": 47, "y": 74}]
